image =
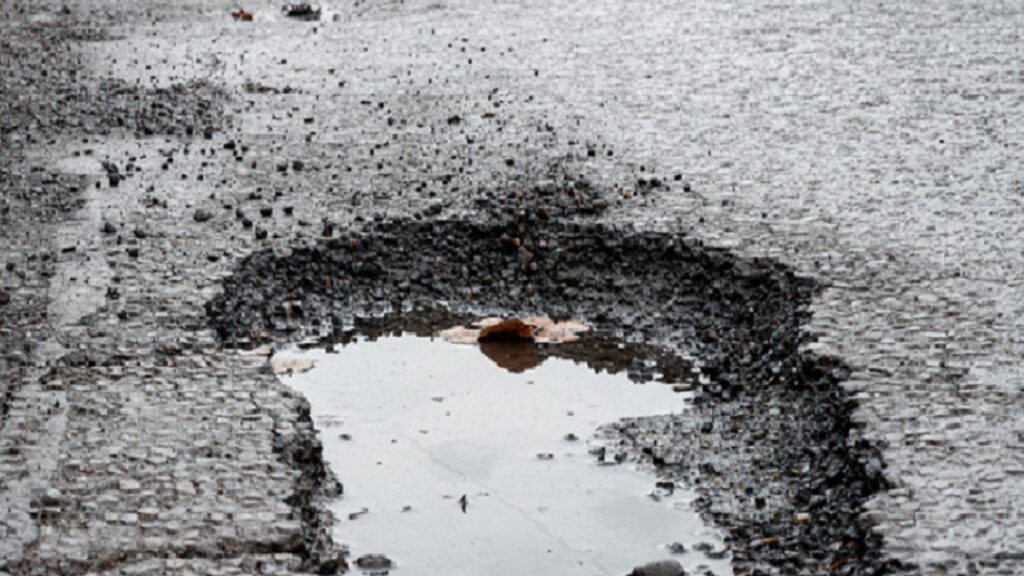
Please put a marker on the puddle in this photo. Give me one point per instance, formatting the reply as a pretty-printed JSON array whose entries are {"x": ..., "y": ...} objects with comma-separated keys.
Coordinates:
[{"x": 411, "y": 425}]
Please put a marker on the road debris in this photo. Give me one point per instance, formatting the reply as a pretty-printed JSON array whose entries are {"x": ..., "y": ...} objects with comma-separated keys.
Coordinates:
[
  {"x": 374, "y": 561},
  {"x": 506, "y": 330},
  {"x": 659, "y": 568},
  {"x": 539, "y": 329},
  {"x": 301, "y": 11}
]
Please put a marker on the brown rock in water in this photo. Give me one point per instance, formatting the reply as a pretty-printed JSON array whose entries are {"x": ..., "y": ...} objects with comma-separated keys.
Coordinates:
[{"x": 507, "y": 330}]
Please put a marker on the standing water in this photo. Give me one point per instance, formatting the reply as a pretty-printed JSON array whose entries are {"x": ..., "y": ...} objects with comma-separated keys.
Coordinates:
[{"x": 454, "y": 465}]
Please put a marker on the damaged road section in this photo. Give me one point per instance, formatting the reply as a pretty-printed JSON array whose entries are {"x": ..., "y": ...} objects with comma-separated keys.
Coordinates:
[{"x": 767, "y": 442}]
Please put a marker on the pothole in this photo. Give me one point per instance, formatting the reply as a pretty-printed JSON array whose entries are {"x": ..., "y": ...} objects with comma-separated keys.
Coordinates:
[
  {"x": 459, "y": 459},
  {"x": 768, "y": 444}
]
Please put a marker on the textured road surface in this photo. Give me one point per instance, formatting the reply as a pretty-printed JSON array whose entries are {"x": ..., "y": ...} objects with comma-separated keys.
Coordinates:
[{"x": 875, "y": 146}]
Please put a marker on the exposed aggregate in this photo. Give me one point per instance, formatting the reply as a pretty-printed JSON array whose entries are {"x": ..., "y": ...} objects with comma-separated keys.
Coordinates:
[{"x": 871, "y": 148}]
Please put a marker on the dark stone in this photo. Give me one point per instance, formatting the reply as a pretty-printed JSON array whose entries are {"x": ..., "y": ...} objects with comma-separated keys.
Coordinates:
[
  {"x": 373, "y": 562},
  {"x": 659, "y": 568}
]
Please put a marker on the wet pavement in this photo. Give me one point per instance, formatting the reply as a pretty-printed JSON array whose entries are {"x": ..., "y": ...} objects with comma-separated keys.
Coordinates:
[{"x": 871, "y": 148}]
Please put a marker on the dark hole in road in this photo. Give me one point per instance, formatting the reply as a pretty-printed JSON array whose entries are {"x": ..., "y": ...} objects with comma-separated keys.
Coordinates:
[{"x": 766, "y": 442}]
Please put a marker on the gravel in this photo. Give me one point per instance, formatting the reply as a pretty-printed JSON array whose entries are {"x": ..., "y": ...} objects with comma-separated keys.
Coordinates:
[{"x": 872, "y": 148}]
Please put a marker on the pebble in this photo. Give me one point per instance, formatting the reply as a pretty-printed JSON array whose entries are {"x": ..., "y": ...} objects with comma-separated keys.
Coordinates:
[
  {"x": 659, "y": 568},
  {"x": 374, "y": 561}
]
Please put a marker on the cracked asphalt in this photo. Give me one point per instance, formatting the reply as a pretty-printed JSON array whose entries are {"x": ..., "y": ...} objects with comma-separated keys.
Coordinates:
[{"x": 149, "y": 147}]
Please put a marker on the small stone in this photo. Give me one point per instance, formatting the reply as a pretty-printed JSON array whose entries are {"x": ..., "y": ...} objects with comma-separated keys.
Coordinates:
[
  {"x": 202, "y": 215},
  {"x": 5, "y": 298},
  {"x": 374, "y": 561},
  {"x": 109, "y": 228},
  {"x": 659, "y": 568},
  {"x": 52, "y": 497},
  {"x": 334, "y": 564},
  {"x": 703, "y": 547}
]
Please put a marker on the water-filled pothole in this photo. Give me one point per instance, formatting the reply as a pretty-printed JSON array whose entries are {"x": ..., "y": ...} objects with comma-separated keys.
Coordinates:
[
  {"x": 769, "y": 444},
  {"x": 457, "y": 462}
]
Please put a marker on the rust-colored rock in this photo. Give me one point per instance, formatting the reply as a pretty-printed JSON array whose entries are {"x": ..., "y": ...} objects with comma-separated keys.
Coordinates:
[{"x": 507, "y": 330}]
